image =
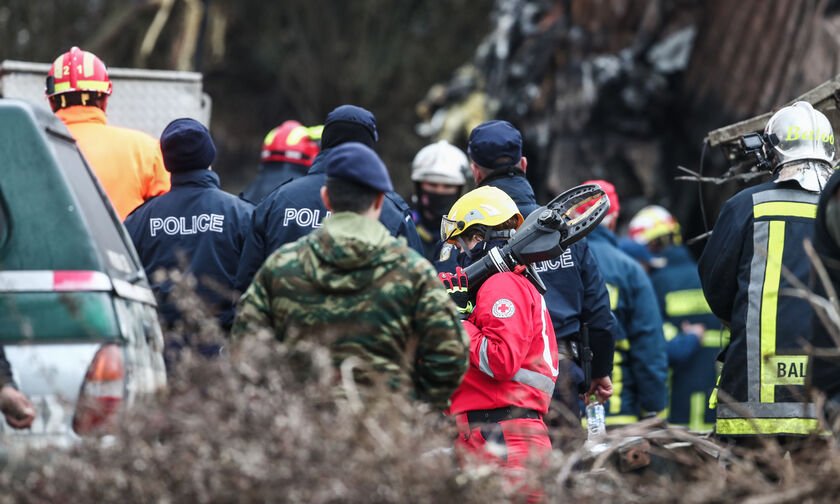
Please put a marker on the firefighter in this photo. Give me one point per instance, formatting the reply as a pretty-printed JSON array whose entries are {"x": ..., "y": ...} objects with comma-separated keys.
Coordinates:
[
  {"x": 438, "y": 175},
  {"x": 756, "y": 247},
  {"x": 824, "y": 371},
  {"x": 196, "y": 228},
  {"x": 287, "y": 153},
  {"x": 640, "y": 366},
  {"x": 127, "y": 163},
  {"x": 693, "y": 335},
  {"x": 576, "y": 295},
  {"x": 500, "y": 404},
  {"x": 295, "y": 209}
]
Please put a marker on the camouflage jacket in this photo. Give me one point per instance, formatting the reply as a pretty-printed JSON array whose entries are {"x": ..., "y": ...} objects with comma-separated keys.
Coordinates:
[{"x": 354, "y": 288}]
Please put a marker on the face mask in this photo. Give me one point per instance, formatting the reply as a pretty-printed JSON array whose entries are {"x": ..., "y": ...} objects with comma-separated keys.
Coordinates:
[
  {"x": 434, "y": 206},
  {"x": 478, "y": 251}
]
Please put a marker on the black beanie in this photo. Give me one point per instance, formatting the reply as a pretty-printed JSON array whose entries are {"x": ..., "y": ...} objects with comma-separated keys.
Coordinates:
[
  {"x": 339, "y": 132},
  {"x": 186, "y": 145}
]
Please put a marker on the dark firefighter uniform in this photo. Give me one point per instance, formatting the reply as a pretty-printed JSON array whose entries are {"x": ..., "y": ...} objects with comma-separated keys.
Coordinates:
[
  {"x": 640, "y": 364},
  {"x": 295, "y": 209},
  {"x": 576, "y": 293},
  {"x": 692, "y": 362},
  {"x": 825, "y": 372},
  {"x": 757, "y": 240}
]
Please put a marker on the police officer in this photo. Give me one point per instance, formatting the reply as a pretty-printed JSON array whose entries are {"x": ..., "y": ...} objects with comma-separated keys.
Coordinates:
[
  {"x": 196, "y": 221},
  {"x": 356, "y": 289},
  {"x": 295, "y": 209},
  {"x": 641, "y": 365},
  {"x": 693, "y": 335},
  {"x": 438, "y": 175},
  {"x": 576, "y": 293},
  {"x": 287, "y": 153},
  {"x": 757, "y": 242}
]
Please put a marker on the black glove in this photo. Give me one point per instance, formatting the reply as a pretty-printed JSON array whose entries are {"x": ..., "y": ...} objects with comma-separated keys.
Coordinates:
[{"x": 456, "y": 287}]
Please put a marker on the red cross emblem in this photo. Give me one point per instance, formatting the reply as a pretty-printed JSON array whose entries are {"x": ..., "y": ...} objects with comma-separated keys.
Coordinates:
[{"x": 503, "y": 308}]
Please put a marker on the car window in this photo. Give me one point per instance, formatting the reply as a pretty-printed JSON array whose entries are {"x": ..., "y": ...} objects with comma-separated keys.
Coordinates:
[{"x": 118, "y": 255}]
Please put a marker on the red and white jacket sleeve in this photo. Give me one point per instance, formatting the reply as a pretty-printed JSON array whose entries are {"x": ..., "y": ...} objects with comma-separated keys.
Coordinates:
[{"x": 504, "y": 314}]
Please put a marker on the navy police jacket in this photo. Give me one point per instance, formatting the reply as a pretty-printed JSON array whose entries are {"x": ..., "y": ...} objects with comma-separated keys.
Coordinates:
[
  {"x": 295, "y": 209},
  {"x": 271, "y": 176},
  {"x": 693, "y": 369},
  {"x": 576, "y": 291},
  {"x": 200, "y": 223},
  {"x": 641, "y": 363}
]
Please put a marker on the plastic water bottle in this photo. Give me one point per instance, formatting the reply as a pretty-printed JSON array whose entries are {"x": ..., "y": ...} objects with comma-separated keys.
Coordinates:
[{"x": 595, "y": 425}]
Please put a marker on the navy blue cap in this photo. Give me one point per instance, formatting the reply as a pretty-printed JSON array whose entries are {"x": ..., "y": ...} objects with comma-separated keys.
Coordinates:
[
  {"x": 495, "y": 144},
  {"x": 356, "y": 115},
  {"x": 186, "y": 145},
  {"x": 355, "y": 162}
]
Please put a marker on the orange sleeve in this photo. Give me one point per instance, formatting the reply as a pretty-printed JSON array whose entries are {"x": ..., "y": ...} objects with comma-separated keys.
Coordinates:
[{"x": 158, "y": 182}]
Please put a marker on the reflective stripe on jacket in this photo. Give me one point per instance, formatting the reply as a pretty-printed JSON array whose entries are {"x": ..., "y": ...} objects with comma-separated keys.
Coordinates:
[
  {"x": 757, "y": 241},
  {"x": 640, "y": 367},
  {"x": 513, "y": 351}
]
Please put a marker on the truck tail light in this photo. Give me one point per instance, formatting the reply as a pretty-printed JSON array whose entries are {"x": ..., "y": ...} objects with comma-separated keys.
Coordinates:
[{"x": 102, "y": 392}]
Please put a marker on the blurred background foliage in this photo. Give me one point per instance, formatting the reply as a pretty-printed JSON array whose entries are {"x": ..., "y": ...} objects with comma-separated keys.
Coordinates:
[
  {"x": 265, "y": 62},
  {"x": 619, "y": 89}
]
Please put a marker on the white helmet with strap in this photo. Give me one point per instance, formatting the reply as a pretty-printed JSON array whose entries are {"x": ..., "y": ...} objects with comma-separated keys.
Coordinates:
[
  {"x": 440, "y": 163},
  {"x": 803, "y": 148}
]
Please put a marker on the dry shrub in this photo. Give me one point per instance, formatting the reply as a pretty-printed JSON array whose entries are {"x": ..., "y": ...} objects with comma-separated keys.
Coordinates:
[{"x": 245, "y": 428}]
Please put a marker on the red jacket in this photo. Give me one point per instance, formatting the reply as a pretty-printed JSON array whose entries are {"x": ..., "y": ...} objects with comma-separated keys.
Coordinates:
[{"x": 513, "y": 351}]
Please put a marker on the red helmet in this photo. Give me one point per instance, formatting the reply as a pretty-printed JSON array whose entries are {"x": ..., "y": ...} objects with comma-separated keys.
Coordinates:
[
  {"x": 291, "y": 142},
  {"x": 77, "y": 70}
]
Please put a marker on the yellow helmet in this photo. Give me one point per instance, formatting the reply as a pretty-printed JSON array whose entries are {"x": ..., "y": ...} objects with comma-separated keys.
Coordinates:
[{"x": 485, "y": 206}]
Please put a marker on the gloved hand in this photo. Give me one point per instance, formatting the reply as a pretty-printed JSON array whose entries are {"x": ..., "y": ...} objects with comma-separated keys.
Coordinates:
[{"x": 456, "y": 287}]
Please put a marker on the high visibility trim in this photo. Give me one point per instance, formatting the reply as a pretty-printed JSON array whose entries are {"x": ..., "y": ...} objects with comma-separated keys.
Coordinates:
[
  {"x": 766, "y": 410},
  {"x": 612, "y": 290},
  {"x": 720, "y": 341},
  {"x": 620, "y": 419},
  {"x": 769, "y": 304},
  {"x": 618, "y": 385},
  {"x": 784, "y": 370},
  {"x": 785, "y": 209},
  {"x": 754, "y": 299},
  {"x": 697, "y": 412},
  {"x": 686, "y": 302},
  {"x": 483, "y": 360},
  {"x": 670, "y": 331},
  {"x": 770, "y": 426},
  {"x": 82, "y": 85},
  {"x": 623, "y": 345},
  {"x": 785, "y": 195},
  {"x": 534, "y": 379},
  {"x": 58, "y": 67}
]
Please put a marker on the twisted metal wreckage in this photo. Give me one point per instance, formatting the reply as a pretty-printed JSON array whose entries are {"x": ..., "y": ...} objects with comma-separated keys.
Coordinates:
[
  {"x": 623, "y": 92},
  {"x": 627, "y": 90}
]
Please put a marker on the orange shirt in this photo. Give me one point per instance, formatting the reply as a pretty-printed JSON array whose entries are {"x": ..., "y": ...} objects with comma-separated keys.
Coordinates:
[{"x": 128, "y": 163}]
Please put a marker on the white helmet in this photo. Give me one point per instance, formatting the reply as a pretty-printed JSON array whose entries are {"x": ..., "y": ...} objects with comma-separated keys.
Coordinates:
[
  {"x": 805, "y": 148},
  {"x": 440, "y": 163}
]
